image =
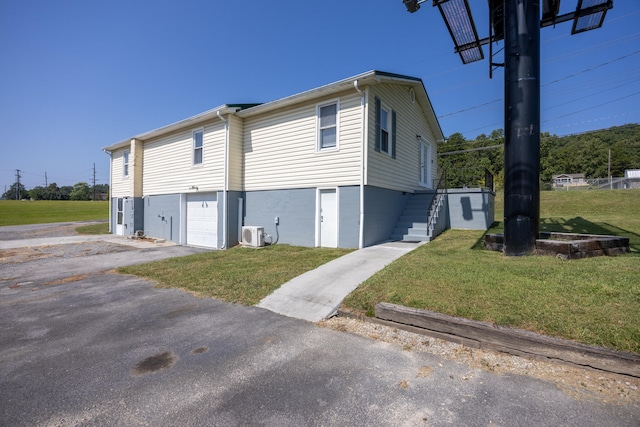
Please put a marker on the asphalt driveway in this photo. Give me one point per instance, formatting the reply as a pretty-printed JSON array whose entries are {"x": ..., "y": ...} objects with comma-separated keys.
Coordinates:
[{"x": 84, "y": 346}]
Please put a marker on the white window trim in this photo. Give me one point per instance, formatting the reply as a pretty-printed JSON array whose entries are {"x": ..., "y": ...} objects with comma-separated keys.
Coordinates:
[
  {"x": 126, "y": 157},
  {"x": 389, "y": 129},
  {"x": 319, "y": 149},
  {"x": 193, "y": 148}
]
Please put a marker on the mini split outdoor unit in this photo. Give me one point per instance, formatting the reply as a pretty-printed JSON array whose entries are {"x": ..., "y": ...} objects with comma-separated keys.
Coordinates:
[{"x": 253, "y": 236}]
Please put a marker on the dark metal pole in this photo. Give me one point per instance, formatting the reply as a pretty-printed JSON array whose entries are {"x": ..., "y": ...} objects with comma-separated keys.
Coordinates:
[{"x": 522, "y": 126}]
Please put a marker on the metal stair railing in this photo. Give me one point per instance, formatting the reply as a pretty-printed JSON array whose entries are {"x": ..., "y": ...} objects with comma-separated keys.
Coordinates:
[{"x": 436, "y": 202}]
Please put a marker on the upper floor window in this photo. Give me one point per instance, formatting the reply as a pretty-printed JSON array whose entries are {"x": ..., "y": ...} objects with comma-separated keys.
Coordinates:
[
  {"x": 125, "y": 163},
  {"x": 197, "y": 147},
  {"x": 385, "y": 128},
  {"x": 385, "y": 141},
  {"x": 327, "y": 126}
]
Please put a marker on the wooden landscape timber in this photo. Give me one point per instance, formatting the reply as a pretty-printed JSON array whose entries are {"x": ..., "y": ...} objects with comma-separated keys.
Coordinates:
[
  {"x": 513, "y": 341},
  {"x": 569, "y": 245}
]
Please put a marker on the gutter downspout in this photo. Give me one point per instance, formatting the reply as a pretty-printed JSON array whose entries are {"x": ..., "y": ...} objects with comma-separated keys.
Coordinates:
[
  {"x": 224, "y": 188},
  {"x": 363, "y": 147},
  {"x": 110, "y": 186}
]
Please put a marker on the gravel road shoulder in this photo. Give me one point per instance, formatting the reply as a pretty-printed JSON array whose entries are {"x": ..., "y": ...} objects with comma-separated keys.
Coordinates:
[{"x": 579, "y": 383}]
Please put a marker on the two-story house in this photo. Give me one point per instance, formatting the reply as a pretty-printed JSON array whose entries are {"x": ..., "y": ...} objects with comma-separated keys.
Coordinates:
[{"x": 334, "y": 166}]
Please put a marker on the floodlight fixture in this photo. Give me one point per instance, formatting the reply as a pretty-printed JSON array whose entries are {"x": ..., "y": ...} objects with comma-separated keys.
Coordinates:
[
  {"x": 411, "y": 5},
  {"x": 496, "y": 20},
  {"x": 457, "y": 17},
  {"x": 550, "y": 10},
  {"x": 590, "y": 15}
]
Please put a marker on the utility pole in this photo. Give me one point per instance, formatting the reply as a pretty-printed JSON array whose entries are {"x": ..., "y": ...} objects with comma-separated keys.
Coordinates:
[
  {"x": 522, "y": 126},
  {"x": 46, "y": 184},
  {"x": 17, "y": 184},
  {"x": 518, "y": 23},
  {"x": 94, "y": 182}
]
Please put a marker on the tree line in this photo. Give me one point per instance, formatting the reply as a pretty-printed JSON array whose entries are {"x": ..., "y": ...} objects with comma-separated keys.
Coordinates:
[
  {"x": 586, "y": 153},
  {"x": 79, "y": 191}
]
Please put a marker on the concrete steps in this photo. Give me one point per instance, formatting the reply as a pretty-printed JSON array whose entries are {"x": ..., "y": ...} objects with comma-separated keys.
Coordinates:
[{"x": 412, "y": 224}]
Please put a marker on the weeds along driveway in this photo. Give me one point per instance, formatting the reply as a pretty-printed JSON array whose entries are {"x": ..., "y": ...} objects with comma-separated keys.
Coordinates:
[{"x": 80, "y": 346}]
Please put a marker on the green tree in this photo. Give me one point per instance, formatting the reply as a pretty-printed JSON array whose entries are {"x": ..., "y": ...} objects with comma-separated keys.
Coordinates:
[
  {"x": 16, "y": 192},
  {"x": 81, "y": 191},
  {"x": 37, "y": 193}
]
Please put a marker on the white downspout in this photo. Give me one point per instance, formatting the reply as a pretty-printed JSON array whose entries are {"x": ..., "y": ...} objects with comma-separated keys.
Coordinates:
[
  {"x": 363, "y": 147},
  {"x": 224, "y": 187},
  {"x": 110, "y": 185}
]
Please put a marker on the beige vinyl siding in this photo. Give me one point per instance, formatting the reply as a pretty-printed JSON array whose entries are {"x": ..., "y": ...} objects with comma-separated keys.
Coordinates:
[
  {"x": 168, "y": 162},
  {"x": 235, "y": 165},
  {"x": 280, "y": 148},
  {"x": 403, "y": 172},
  {"x": 120, "y": 184}
]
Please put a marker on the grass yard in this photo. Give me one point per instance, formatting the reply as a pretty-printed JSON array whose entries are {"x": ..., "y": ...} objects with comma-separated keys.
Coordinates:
[
  {"x": 241, "y": 275},
  {"x": 594, "y": 301},
  {"x": 100, "y": 228},
  {"x": 18, "y": 212}
]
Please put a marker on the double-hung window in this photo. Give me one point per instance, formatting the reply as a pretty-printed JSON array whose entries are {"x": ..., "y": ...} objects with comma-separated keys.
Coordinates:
[
  {"x": 327, "y": 126},
  {"x": 197, "y": 146},
  {"x": 125, "y": 163},
  {"x": 385, "y": 129}
]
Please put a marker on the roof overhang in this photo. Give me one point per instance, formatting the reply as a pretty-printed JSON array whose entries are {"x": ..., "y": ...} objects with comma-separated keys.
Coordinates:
[
  {"x": 188, "y": 122},
  {"x": 247, "y": 110},
  {"x": 369, "y": 78}
]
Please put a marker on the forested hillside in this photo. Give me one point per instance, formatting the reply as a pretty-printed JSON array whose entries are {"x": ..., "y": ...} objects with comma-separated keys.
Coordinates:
[{"x": 586, "y": 153}]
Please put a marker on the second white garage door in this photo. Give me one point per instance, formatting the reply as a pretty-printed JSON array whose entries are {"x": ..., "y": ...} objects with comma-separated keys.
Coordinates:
[{"x": 202, "y": 220}]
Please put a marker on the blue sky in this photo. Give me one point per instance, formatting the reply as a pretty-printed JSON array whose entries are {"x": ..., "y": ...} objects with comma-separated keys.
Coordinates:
[{"x": 78, "y": 75}]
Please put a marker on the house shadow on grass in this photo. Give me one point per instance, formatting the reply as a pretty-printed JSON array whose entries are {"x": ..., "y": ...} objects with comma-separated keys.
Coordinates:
[{"x": 576, "y": 225}]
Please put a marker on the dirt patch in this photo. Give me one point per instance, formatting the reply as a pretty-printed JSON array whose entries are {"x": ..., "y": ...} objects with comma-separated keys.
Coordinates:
[
  {"x": 579, "y": 383},
  {"x": 69, "y": 279},
  {"x": 70, "y": 250},
  {"x": 13, "y": 256}
]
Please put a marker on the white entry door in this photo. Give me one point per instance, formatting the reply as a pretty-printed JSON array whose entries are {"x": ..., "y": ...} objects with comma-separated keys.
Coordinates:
[
  {"x": 328, "y": 219},
  {"x": 120, "y": 216},
  {"x": 202, "y": 220},
  {"x": 425, "y": 164}
]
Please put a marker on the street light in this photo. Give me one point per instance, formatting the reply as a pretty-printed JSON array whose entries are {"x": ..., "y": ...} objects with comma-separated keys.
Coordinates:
[{"x": 518, "y": 22}]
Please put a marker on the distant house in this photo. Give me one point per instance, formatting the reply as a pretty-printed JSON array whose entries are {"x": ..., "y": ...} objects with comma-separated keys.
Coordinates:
[
  {"x": 632, "y": 173},
  {"x": 569, "y": 180},
  {"x": 334, "y": 166},
  {"x": 631, "y": 178}
]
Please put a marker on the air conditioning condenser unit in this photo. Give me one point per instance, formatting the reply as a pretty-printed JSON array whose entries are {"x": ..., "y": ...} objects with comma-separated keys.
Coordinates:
[{"x": 252, "y": 236}]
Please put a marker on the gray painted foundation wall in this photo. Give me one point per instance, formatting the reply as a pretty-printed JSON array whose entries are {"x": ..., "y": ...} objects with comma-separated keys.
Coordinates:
[
  {"x": 295, "y": 208},
  {"x": 471, "y": 209},
  {"x": 349, "y": 217},
  {"x": 232, "y": 219},
  {"x": 162, "y": 217},
  {"x": 296, "y": 211},
  {"x": 383, "y": 208}
]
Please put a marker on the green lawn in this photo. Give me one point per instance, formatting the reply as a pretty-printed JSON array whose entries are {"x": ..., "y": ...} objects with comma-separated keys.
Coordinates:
[
  {"x": 593, "y": 301},
  {"x": 18, "y": 212},
  {"x": 100, "y": 228},
  {"x": 242, "y": 275}
]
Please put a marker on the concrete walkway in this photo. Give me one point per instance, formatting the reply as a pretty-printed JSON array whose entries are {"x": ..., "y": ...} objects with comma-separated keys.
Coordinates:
[{"x": 317, "y": 294}]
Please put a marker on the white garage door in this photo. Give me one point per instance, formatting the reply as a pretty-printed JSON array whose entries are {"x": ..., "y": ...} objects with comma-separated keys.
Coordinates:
[{"x": 202, "y": 220}]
